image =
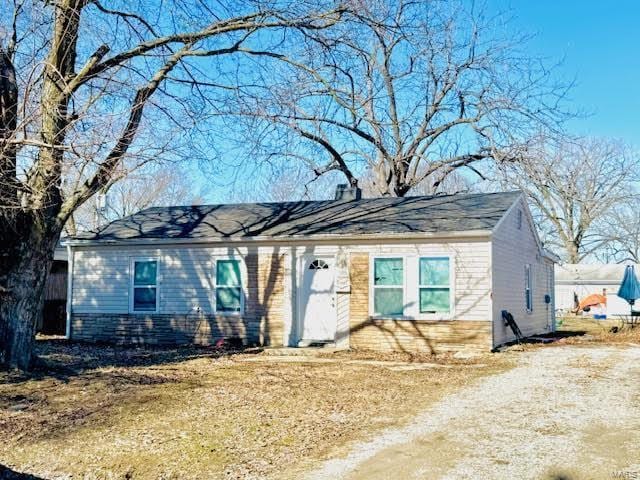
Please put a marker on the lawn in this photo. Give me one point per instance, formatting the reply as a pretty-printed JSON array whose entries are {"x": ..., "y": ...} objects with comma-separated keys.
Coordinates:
[
  {"x": 585, "y": 329},
  {"x": 114, "y": 412}
]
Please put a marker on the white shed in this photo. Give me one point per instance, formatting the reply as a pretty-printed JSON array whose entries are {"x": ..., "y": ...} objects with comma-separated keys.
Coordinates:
[{"x": 586, "y": 279}]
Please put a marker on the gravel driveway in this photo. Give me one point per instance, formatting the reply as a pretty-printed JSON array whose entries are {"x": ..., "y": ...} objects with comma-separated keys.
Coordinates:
[{"x": 570, "y": 412}]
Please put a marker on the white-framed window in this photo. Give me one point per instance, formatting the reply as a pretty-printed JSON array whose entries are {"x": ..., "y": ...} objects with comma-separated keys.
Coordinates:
[
  {"x": 519, "y": 220},
  {"x": 528, "y": 290},
  {"x": 228, "y": 292},
  {"x": 388, "y": 282},
  {"x": 435, "y": 294},
  {"x": 412, "y": 287},
  {"x": 143, "y": 287}
]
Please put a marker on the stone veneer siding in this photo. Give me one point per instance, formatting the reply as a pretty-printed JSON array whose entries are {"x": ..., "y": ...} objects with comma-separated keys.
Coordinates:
[
  {"x": 262, "y": 322},
  {"x": 407, "y": 335}
]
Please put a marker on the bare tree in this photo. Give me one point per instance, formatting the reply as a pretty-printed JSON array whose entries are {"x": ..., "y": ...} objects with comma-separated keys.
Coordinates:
[
  {"x": 453, "y": 183},
  {"x": 90, "y": 91},
  {"x": 153, "y": 185},
  {"x": 575, "y": 186},
  {"x": 621, "y": 228},
  {"x": 410, "y": 92},
  {"x": 284, "y": 183}
]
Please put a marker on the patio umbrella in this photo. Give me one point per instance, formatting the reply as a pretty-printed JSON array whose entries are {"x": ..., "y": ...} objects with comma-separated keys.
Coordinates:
[{"x": 630, "y": 287}]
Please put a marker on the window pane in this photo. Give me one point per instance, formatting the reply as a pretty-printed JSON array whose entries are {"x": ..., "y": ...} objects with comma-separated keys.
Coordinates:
[
  {"x": 388, "y": 271},
  {"x": 144, "y": 299},
  {"x": 434, "y": 300},
  {"x": 228, "y": 299},
  {"x": 318, "y": 265},
  {"x": 434, "y": 271},
  {"x": 388, "y": 301},
  {"x": 145, "y": 273},
  {"x": 228, "y": 273}
]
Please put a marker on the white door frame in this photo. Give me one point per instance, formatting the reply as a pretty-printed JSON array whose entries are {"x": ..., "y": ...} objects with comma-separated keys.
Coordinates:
[{"x": 303, "y": 260}]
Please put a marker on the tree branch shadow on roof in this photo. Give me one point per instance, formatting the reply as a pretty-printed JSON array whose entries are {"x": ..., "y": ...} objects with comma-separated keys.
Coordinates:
[{"x": 235, "y": 221}]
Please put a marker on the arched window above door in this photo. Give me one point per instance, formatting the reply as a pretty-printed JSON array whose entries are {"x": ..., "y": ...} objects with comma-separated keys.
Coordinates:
[{"x": 318, "y": 264}]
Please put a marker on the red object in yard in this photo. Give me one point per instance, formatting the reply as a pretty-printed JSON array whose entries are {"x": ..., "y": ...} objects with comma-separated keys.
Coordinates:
[{"x": 592, "y": 300}]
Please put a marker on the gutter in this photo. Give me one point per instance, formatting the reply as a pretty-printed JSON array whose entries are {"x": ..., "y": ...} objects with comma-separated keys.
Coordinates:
[
  {"x": 550, "y": 255},
  {"x": 332, "y": 238},
  {"x": 582, "y": 281},
  {"x": 70, "y": 255}
]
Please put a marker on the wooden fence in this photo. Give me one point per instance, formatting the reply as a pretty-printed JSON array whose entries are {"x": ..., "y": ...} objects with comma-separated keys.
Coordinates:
[{"x": 56, "y": 287}]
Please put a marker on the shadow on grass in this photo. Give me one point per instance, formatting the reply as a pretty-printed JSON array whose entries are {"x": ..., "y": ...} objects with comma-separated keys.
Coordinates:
[
  {"x": 61, "y": 359},
  {"x": 545, "y": 338},
  {"x": 8, "y": 474},
  {"x": 112, "y": 381},
  {"x": 560, "y": 476},
  {"x": 560, "y": 334}
]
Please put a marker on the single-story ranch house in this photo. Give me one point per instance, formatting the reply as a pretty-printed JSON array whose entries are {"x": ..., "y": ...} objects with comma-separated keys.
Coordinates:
[{"x": 411, "y": 274}]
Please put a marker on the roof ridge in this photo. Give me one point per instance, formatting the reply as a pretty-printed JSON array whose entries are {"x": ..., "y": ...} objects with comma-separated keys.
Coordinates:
[{"x": 205, "y": 205}]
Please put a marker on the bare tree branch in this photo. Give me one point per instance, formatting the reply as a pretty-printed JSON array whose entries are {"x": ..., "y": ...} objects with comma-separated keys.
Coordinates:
[
  {"x": 576, "y": 186},
  {"x": 87, "y": 96},
  {"x": 417, "y": 89}
]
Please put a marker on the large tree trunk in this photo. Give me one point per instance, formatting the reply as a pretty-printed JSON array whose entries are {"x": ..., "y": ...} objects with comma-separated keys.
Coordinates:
[
  {"x": 25, "y": 261},
  {"x": 30, "y": 222},
  {"x": 573, "y": 252}
]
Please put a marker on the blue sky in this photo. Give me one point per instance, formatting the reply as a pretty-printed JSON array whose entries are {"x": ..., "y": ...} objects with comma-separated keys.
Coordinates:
[{"x": 600, "y": 44}]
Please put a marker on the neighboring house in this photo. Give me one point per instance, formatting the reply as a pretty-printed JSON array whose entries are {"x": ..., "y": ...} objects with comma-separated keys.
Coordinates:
[
  {"x": 411, "y": 274},
  {"x": 580, "y": 280}
]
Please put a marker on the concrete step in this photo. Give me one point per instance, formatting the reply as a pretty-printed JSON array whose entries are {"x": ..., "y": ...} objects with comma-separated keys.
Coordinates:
[{"x": 299, "y": 351}]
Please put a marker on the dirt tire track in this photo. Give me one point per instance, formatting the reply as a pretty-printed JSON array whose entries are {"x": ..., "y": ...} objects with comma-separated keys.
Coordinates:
[{"x": 571, "y": 412}]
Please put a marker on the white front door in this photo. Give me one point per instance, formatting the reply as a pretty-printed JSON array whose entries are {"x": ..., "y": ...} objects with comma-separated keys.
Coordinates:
[{"x": 317, "y": 299}]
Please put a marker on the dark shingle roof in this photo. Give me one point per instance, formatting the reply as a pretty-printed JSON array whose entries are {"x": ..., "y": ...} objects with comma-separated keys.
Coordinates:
[{"x": 376, "y": 216}]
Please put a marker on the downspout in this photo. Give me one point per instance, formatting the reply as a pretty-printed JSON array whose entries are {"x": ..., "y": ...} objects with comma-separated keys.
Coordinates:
[
  {"x": 491, "y": 288},
  {"x": 70, "y": 254}
]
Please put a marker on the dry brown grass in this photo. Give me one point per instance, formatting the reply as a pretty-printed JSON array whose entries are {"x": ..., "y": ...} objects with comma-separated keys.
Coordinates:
[
  {"x": 585, "y": 331},
  {"x": 598, "y": 331},
  {"x": 104, "y": 412},
  {"x": 445, "y": 358}
]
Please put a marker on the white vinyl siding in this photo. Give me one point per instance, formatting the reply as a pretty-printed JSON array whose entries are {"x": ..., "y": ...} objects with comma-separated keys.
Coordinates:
[
  {"x": 512, "y": 250},
  {"x": 100, "y": 282},
  {"x": 186, "y": 281}
]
